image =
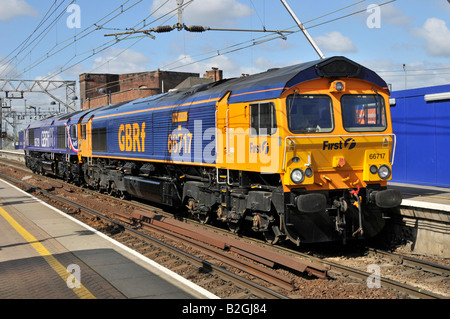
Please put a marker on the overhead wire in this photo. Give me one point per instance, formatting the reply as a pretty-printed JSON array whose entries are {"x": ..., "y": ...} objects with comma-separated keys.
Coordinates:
[
  {"x": 129, "y": 38},
  {"x": 139, "y": 39},
  {"x": 94, "y": 51},
  {"x": 412, "y": 70},
  {"x": 109, "y": 44},
  {"x": 27, "y": 42},
  {"x": 106, "y": 45},
  {"x": 223, "y": 51},
  {"x": 262, "y": 39},
  {"x": 32, "y": 33},
  {"x": 247, "y": 44},
  {"x": 238, "y": 46},
  {"x": 79, "y": 36},
  {"x": 100, "y": 48},
  {"x": 48, "y": 29}
]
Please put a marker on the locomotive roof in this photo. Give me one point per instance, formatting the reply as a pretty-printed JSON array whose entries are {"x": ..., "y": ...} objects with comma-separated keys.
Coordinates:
[
  {"x": 272, "y": 83},
  {"x": 267, "y": 85}
]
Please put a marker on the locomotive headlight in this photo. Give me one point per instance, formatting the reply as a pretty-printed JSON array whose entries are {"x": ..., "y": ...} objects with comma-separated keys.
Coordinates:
[
  {"x": 373, "y": 169},
  {"x": 384, "y": 172},
  {"x": 309, "y": 172},
  {"x": 339, "y": 86},
  {"x": 297, "y": 176}
]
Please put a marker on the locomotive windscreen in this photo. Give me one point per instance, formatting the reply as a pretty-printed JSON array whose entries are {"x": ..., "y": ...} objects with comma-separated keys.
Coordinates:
[
  {"x": 309, "y": 113},
  {"x": 363, "y": 113}
]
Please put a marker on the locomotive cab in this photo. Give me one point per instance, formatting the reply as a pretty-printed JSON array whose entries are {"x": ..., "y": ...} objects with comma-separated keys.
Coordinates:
[{"x": 338, "y": 155}]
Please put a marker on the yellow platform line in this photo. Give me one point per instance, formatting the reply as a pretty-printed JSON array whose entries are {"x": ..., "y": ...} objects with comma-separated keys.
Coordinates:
[{"x": 81, "y": 291}]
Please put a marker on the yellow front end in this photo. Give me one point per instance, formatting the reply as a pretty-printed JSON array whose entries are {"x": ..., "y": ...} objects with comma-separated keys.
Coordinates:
[
  {"x": 337, "y": 168},
  {"x": 351, "y": 149}
]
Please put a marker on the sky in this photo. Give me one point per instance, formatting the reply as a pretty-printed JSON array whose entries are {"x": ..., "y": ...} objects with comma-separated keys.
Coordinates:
[{"x": 406, "y": 41}]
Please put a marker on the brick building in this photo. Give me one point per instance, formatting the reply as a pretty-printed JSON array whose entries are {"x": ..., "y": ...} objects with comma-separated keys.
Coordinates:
[{"x": 103, "y": 89}]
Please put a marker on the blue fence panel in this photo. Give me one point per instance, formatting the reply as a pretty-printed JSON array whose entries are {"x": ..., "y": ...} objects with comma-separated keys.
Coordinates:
[{"x": 423, "y": 137}]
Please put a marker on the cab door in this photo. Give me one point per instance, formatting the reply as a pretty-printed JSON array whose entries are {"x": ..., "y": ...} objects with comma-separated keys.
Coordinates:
[
  {"x": 264, "y": 142},
  {"x": 85, "y": 144},
  {"x": 222, "y": 130}
]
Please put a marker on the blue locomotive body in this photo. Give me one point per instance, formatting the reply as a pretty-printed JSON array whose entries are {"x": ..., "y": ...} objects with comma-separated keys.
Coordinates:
[
  {"x": 52, "y": 135},
  {"x": 148, "y": 130}
]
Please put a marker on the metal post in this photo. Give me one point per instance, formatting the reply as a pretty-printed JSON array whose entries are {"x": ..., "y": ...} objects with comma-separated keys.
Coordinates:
[
  {"x": 300, "y": 25},
  {"x": 406, "y": 83}
]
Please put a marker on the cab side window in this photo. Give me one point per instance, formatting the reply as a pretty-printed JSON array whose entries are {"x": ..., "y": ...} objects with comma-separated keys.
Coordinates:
[
  {"x": 83, "y": 131},
  {"x": 263, "y": 120},
  {"x": 73, "y": 131}
]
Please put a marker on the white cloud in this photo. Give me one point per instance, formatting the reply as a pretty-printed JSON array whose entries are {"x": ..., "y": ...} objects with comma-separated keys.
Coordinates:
[
  {"x": 10, "y": 9},
  {"x": 212, "y": 13},
  {"x": 335, "y": 42},
  {"x": 8, "y": 70},
  {"x": 117, "y": 61},
  {"x": 393, "y": 15},
  {"x": 436, "y": 35}
]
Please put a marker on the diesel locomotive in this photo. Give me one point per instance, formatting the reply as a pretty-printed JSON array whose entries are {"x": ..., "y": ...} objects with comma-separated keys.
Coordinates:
[{"x": 302, "y": 152}]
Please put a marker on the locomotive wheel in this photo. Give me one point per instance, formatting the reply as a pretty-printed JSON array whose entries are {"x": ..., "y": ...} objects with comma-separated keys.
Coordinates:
[
  {"x": 123, "y": 195},
  {"x": 270, "y": 237},
  {"x": 234, "y": 227},
  {"x": 203, "y": 218},
  {"x": 193, "y": 210},
  {"x": 112, "y": 189}
]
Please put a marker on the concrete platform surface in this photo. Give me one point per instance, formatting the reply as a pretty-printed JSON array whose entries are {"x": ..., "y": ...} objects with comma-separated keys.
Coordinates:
[
  {"x": 428, "y": 197},
  {"x": 43, "y": 252}
]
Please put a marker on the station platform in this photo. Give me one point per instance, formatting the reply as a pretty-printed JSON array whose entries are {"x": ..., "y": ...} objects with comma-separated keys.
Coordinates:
[
  {"x": 424, "y": 218},
  {"x": 422, "y": 196},
  {"x": 46, "y": 254}
]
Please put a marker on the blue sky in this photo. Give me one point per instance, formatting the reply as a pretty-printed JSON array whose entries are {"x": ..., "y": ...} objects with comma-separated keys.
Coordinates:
[{"x": 35, "y": 45}]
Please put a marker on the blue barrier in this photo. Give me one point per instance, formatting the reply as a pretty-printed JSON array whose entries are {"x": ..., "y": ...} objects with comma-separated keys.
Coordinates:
[{"x": 423, "y": 136}]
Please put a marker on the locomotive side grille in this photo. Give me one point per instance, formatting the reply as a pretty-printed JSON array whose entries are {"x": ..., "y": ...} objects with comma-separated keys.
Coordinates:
[
  {"x": 61, "y": 137},
  {"x": 99, "y": 141}
]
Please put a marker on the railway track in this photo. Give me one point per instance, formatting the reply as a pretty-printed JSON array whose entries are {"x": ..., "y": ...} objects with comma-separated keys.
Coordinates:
[
  {"x": 442, "y": 273},
  {"x": 147, "y": 219},
  {"x": 415, "y": 263},
  {"x": 203, "y": 266},
  {"x": 384, "y": 281}
]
